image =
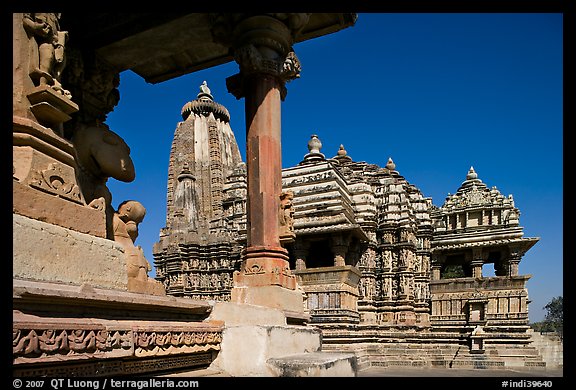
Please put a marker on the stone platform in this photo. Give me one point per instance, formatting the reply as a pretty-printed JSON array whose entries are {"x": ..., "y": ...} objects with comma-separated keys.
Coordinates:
[
  {"x": 67, "y": 330},
  {"x": 258, "y": 342}
]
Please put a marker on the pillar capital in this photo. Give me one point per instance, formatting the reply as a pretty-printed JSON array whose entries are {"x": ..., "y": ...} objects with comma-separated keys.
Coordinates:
[
  {"x": 276, "y": 31},
  {"x": 261, "y": 45}
]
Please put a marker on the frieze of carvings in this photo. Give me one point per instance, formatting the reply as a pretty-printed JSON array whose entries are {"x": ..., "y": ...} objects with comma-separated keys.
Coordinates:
[
  {"x": 216, "y": 281},
  {"x": 54, "y": 180},
  {"x": 151, "y": 343},
  {"x": 323, "y": 176},
  {"x": 53, "y": 342}
]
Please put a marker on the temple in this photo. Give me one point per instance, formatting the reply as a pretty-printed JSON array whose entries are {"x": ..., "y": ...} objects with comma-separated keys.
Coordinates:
[
  {"x": 206, "y": 185},
  {"x": 321, "y": 269},
  {"x": 378, "y": 263}
]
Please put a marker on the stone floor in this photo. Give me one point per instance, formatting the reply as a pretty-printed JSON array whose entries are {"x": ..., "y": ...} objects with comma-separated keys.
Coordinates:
[
  {"x": 460, "y": 372},
  {"x": 415, "y": 372}
]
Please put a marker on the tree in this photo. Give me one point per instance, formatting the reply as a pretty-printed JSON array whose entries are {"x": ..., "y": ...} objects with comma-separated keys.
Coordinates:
[
  {"x": 453, "y": 271},
  {"x": 555, "y": 315}
]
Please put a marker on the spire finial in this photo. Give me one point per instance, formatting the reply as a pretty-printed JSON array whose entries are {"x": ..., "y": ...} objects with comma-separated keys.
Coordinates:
[
  {"x": 314, "y": 154},
  {"x": 314, "y": 145},
  {"x": 471, "y": 174},
  {"x": 205, "y": 91}
]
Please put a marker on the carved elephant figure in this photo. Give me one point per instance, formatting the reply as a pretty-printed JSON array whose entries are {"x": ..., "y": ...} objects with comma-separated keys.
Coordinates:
[{"x": 101, "y": 154}]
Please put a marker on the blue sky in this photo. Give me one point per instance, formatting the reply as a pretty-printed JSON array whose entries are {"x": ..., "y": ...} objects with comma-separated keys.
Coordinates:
[{"x": 438, "y": 93}]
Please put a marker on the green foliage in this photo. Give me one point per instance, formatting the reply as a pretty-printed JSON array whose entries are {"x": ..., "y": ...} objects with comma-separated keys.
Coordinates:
[
  {"x": 555, "y": 315},
  {"x": 452, "y": 271},
  {"x": 542, "y": 327},
  {"x": 554, "y": 321}
]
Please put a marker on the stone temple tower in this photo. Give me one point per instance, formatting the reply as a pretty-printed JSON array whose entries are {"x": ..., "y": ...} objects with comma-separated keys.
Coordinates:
[
  {"x": 195, "y": 255},
  {"x": 204, "y": 151}
]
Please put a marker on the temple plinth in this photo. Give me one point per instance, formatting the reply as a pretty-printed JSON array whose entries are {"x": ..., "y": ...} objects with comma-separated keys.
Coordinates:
[{"x": 262, "y": 46}]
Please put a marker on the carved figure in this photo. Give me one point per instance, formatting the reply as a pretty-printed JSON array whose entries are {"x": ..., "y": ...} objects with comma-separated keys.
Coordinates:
[
  {"x": 50, "y": 341},
  {"x": 101, "y": 154},
  {"x": 286, "y": 213},
  {"x": 126, "y": 220},
  {"x": 48, "y": 59}
]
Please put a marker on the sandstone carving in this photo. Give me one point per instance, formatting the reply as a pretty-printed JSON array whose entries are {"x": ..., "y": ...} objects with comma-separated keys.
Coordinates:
[
  {"x": 131, "y": 213},
  {"x": 101, "y": 154},
  {"x": 48, "y": 59},
  {"x": 286, "y": 217}
]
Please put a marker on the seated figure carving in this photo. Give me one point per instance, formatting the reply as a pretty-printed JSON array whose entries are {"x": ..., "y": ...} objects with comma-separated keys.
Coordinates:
[{"x": 129, "y": 215}]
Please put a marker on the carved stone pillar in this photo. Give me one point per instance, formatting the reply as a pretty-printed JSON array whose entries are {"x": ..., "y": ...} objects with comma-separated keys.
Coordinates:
[
  {"x": 339, "y": 254},
  {"x": 300, "y": 252},
  {"x": 340, "y": 248},
  {"x": 477, "y": 262},
  {"x": 436, "y": 266},
  {"x": 262, "y": 46},
  {"x": 513, "y": 261}
]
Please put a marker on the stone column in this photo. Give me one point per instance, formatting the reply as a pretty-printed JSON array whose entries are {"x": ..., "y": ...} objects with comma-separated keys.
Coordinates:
[
  {"x": 436, "y": 266},
  {"x": 300, "y": 252},
  {"x": 340, "y": 248},
  {"x": 514, "y": 260},
  {"x": 262, "y": 46},
  {"x": 477, "y": 262}
]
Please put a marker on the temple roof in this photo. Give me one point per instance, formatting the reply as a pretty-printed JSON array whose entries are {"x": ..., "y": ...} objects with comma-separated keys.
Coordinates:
[
  {"x": 474, "y": 193},
  {"x": 204, "y": 104}
]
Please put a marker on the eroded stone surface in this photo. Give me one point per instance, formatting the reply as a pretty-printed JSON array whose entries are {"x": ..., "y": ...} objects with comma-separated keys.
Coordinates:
[{"x": 47, "y": 252}]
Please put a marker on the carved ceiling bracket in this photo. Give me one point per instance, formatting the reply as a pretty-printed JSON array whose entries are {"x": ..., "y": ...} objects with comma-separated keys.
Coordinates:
[
  {"x": 260, "y": 44},
  {"x": 94, "y": 84}
]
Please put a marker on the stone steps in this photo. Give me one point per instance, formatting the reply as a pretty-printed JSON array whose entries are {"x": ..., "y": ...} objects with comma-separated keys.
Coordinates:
[
  {"x": 257, "y": 342},
  {"x": 442, "y": 356},
  {"x": 550, "y": 348},
  {"x": 315, "y": 364}
]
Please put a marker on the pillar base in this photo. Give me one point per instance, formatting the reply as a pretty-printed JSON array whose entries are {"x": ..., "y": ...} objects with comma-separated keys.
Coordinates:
[
  {"x": 265, "y": 266},
  {"x": 265, "y": 279},
  {"x": 291, "y": 302}
]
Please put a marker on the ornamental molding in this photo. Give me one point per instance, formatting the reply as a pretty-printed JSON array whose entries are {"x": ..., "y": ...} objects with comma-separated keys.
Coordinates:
[{"x": 75, "y": 339}]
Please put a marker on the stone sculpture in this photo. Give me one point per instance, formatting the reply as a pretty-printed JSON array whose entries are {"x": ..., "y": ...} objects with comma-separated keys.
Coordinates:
[
  {"x": 129, "y": 215},
  {"x": 286, "y": 215},
  {"x": 101, "y": 154},
  {"x": 48, "y": 60}
]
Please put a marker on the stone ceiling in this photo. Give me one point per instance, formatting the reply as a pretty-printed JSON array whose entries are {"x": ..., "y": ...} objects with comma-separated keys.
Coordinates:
[{"x": 163, "y": 46}]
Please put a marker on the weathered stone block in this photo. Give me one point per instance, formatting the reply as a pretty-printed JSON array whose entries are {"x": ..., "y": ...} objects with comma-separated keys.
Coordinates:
[{"x": 51, "y": 253}]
